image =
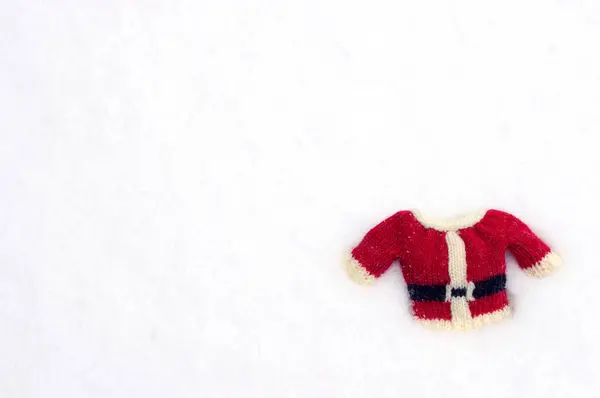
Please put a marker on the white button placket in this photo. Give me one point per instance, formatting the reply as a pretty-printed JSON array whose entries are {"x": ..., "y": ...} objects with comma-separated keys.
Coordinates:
[{"x": 457, "y": 268}]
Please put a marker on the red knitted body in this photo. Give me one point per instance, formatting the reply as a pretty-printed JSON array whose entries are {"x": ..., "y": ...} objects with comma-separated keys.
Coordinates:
[{"x": 464, "y": 262}]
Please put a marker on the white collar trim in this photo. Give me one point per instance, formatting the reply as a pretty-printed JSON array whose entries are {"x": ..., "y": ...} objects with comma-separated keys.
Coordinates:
[{"x": 449, "y": 224}]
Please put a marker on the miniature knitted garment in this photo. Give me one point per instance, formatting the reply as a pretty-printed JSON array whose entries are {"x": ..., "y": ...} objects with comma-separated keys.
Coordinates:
[{"x": 455, "y": 269}]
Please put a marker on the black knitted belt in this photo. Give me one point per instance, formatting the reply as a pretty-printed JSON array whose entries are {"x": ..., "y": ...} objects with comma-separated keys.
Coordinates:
[{"x": 440, "y": 292}]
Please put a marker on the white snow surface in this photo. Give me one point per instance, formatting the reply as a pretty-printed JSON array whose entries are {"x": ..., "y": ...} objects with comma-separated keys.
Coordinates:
[{"x": 180, "y": 181}]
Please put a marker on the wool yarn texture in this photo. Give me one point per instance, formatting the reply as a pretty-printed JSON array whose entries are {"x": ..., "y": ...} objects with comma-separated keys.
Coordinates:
[{"x": 455, "y": 269}]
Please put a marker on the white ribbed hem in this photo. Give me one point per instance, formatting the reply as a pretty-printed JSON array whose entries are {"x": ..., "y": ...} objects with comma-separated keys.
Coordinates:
[
  {"x": 357, "y": 272},
  {"x": 474, "y": 323},
  {"x": 448, "y": 224},
  {"x": 545, "y": 266}
]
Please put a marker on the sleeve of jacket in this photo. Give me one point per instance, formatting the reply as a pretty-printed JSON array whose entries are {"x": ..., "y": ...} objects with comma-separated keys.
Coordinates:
[
  {"x": 377, "y": 251},
  {"x": 532, "y": 254}
]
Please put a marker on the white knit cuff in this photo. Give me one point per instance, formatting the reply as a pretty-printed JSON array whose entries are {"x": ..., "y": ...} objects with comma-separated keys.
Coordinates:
[
  {"x": 545, "y": 266},
  {"x": 357, "y": 272}
]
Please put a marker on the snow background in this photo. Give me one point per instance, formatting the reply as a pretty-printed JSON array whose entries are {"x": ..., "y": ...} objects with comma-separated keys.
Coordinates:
[{"x": 179, "y": 182}]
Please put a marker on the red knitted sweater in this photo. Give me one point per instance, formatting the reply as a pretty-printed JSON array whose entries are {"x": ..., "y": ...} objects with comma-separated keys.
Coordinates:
[{"x": 454, "y": 269}]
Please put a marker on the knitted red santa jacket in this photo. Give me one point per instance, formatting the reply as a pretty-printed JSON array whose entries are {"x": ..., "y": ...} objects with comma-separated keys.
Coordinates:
[{"x": 454, "y": 269}]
